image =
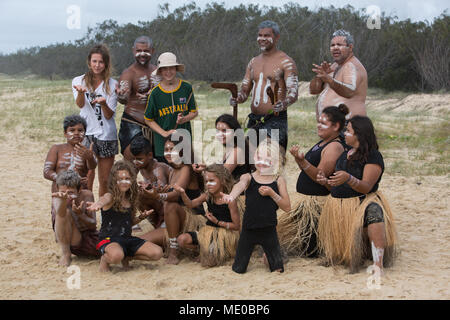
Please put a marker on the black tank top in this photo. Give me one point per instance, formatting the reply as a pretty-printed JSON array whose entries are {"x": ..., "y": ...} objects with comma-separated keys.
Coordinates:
[
  {"x": 305, "y": 184},
  {"x": 220, "y": 211},
  {"x": 116, "y": 223},
  {"x": 260, "y": 211}
]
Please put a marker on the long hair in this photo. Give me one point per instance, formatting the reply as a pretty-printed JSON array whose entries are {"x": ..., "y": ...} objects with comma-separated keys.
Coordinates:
[
  {"x": 131, "y": 195},
  {"x": 106, "y": 74},
  {"x": 225, "y": 177},
  {"x": 234, "y": 125},
  {"x": 365, "y": 132}
]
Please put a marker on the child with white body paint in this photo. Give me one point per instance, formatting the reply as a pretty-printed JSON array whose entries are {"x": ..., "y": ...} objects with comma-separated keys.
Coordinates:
[
  {"x": 217, "y": 240},
  {"x": 119, "y": 207},
  {"x": 72, "y": 155},
  {"x": 74, "y": 227},
  {"x": 265, "y": 192},
  {"x": 176, "y": 218}
]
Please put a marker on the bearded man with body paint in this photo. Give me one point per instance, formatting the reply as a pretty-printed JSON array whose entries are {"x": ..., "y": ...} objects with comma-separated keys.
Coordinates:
[
  {"x": 271, "y": 67},
  {"x": 135, "y": 85},
  {"x": 344, "y": 81}
]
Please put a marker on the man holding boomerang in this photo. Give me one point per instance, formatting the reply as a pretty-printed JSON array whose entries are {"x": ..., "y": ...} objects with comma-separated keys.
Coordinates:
[{"x": 272, "y": 69}]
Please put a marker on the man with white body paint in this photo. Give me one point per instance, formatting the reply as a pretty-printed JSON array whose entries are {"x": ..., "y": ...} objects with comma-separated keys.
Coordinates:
[
  {"x": 271, "y": 67},
  {"x": 75, "y": 228},
  {"x": 344, "y": 81},
  {"x": 135, "y": 84}
]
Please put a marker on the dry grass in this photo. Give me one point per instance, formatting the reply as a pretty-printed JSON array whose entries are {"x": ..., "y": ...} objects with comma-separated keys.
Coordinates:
[{"x": 411, "y": 141}]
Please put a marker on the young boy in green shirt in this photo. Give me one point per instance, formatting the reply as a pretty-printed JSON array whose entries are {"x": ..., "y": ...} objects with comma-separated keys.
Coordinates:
[{"x": 171, "y": 104}]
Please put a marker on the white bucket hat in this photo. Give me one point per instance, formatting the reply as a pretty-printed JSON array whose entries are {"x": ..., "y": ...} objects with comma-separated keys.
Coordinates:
[{"x": 168, "y": 59}]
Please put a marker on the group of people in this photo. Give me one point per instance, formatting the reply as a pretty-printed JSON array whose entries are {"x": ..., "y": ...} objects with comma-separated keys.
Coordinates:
[{"x": 219, "y": 212}]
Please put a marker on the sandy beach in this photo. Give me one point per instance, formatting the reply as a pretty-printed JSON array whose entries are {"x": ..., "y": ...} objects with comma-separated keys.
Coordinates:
[{"x": 30, "y": 255}]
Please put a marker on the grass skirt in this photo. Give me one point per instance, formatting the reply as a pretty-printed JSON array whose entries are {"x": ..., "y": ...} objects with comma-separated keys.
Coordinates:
[
  {"x": 297, "y": 229},
  {"x": 341, "y": 233},
  {"x": 217, "y": 245}
]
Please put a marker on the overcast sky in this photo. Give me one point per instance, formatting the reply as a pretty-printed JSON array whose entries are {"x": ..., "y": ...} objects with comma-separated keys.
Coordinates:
[{"x": 26, "y": 23}]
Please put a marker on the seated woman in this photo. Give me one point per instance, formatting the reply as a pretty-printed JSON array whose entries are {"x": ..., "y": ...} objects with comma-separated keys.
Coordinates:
[
  {"x": 357, "y": 219},
  {"x": 236, "y": 159},
  {"x": 297, "y": 229},
  {"x": 176, "y": 218}
]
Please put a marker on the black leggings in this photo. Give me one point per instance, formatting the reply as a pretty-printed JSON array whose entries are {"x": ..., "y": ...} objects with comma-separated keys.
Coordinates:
[{"x": 268, "y": 239}]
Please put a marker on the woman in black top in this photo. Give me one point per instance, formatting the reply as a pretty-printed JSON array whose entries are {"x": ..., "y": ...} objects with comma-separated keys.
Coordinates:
[
  {"x": 217, "y": 240},
  {"x": 297, "y": 229},
  {"x": 118, "y": 207},
  {"x": 357, "y": 219},
  {"x": 231, "y": 135}
]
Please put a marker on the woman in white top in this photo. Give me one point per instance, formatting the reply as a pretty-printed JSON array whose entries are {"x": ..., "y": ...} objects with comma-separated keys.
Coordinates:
[{"x": 95, "y": 94}]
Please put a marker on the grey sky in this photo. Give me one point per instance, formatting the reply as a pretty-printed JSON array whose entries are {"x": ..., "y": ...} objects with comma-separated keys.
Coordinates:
[{"x": 26, "y": 23}]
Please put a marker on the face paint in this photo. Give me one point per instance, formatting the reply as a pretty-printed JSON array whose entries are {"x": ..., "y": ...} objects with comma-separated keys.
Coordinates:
[
  {"x": 348, "y": 134},
  {"x": 142, "y": 54},
  {"x": 124, "y": 181},
  {"x": 211, "y": 183},
  {"x": 138, "y": 162},
  {"x": 322, "y": 126},
  {"x": 73, "y": 196},
  {"x": 264, "y": 162},
  {"x": 173, "y": 153}
]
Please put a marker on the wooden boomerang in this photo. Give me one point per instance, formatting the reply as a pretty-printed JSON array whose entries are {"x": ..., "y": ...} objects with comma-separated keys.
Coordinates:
[
  {"x": 232, "y": 87},
  {"x": 273, "y": 96}
]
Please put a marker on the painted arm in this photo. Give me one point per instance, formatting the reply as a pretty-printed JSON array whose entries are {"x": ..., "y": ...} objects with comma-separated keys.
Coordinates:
[
  {"x": 50, "y": 164},
  {"x": 238, "y": 188},
  {"x": 291, "y": 81},
  {"x": 125, "y": 86},
  {"x": 246, "y": 86}
]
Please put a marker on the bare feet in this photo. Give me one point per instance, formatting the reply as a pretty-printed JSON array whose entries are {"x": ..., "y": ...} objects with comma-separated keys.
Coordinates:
[
  {"x": 65, "y": 260},
  {"x": 126, "y": 263},
  {"x": 104, "y": 267},
  {"x": 172, "y": 258}
]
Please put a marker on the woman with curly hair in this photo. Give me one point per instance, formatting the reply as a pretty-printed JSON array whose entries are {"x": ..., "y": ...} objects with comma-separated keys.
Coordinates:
[
  {"x": 356, "y": 219},
  {"x": 118, "y": 207}
]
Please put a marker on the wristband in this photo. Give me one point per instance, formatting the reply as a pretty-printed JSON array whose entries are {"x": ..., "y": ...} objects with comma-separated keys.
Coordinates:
[
  {"x": 349, "y": 177},
  {"x": 162, "y": 196}
]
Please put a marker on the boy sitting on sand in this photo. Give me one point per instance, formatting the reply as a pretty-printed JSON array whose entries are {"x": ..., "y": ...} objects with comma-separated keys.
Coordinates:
[{"x": 75, "y": 228}]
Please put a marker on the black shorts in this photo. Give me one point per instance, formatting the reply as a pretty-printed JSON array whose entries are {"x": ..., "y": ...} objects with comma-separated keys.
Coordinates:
[
  {"x": 194, "y": 237},
  {"x": 102, "y": 148},
  {"x": 130, "y": 245},
  {"x": 373, "y": 214},
  {"x": 128, "y": 131}
]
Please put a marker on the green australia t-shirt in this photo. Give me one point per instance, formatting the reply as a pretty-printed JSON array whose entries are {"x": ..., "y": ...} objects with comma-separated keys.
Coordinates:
[{"x": 164, "y": 106}]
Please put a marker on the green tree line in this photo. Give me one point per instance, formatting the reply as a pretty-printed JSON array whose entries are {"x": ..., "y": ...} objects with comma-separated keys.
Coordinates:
[{"x": 216, "y": 44}]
